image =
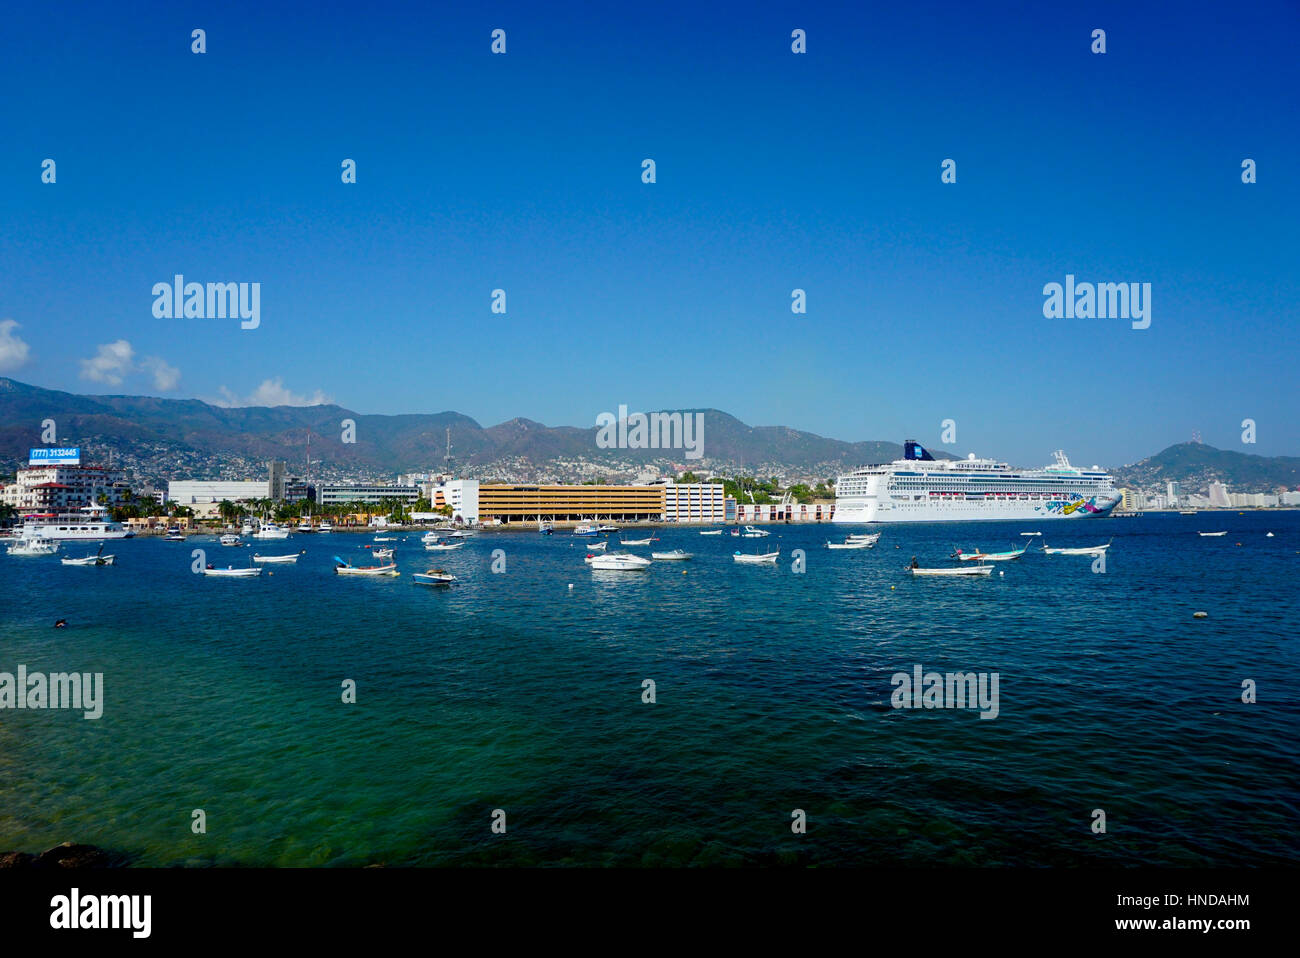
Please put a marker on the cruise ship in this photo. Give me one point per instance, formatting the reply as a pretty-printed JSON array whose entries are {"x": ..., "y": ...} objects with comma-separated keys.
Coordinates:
[
  {"x": 920, "y": 488},
  {"x": 92, "y": 522}
]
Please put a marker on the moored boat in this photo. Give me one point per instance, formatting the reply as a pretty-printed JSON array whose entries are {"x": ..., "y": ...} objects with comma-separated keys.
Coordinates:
[
  {"x": 763, "y": 558},
  {"x": 434, "y": 577},
  {"x": 619, "y": 561},
  {"x": 292, "y": 557},
  {"x": 672, "y": 555},
  {"x": 1082, "y": 551},
  {"x": 230, "y": 572},
  {"x": 346, "y": 568}
]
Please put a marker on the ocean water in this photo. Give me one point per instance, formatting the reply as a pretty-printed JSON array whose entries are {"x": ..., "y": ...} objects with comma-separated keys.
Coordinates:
[{"x": 773, "y": 688}]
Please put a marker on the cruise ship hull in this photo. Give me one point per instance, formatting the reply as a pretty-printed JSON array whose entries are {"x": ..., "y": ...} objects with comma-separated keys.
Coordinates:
[{"x": 862, "y": 511}]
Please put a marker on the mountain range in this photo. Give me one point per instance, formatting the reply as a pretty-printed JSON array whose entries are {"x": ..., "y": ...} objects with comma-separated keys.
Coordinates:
[
  {"x": 165, "y": 438},
  {"x": 160, "y": 439}
]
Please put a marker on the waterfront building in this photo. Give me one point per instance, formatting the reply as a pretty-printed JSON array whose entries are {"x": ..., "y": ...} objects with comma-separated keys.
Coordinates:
[
  {"x": 1172, "y": 491},
  {"x": 1219, "y": 495},
  {"x": 204, "y": 496},
  {"x": 561, "y": 503},
  {"x": 784, "y": 512},
  {"x": 64, "y": 488},
  {"x": 276, "y": 477},
  {"x": 369, "y": 493},
  {"x": 694, "y": 502}
]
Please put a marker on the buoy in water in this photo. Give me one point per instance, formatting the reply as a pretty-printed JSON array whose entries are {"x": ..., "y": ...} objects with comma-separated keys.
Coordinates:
[
  {"x": 1200, "y": 615},
  {"x": 891, "y": 588},
  {"x": 1001, "y": 573},
  {"x": 570, "y": 585}
]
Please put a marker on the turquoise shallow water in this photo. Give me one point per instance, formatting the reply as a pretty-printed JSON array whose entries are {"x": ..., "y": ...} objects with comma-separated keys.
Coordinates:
[{"x": 773, "y": 693}]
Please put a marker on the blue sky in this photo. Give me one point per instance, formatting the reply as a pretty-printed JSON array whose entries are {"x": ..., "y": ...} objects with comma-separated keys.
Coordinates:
[{"x": 775, "y": 171}]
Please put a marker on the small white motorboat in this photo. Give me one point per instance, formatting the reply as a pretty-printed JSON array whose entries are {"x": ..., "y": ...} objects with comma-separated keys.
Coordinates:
[
  {"x": 750, "y": 532},
  {"x": 383, "y": 553},
  {"x": 292, "y": 557},
  {"x": 90, "y": 560},
  {"x": 460, "y": 534},
  {"x": 33, "y": 546},
  {"x": 230, "y": 572},
  {"x": 672, "y": 555},
  {"x": 434, "y": 577},
  {"x": 598, "y": 546},
  {"x": 960, "y": 570},
  {"x": 1223, "y": 533},
  {"x": 230, "y": 539},
  {"x": 325, "y": 527},
  {"x": 443, "y": 546},
  {"x": 980, "y": 556},
  {"x": 711, "y": 532},
  {"x": 620, "y": 561},
  {"x": 872, "y": 537},
  {"x": 636, "y": 542},
  {"x": 852, "y": 544},
  {"x": 346, "y": 568},
  {"x": 385, "y": 538},
  {"x": 1084, "y": 551},
  {"x": 763, "y": 558},
  {"x": 271, "y": 530},
  {"x": 174, "y": 534},
  {"x": 1031, "y": 533}
]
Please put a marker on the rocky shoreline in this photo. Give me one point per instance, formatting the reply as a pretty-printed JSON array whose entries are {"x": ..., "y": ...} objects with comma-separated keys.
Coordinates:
[{"x": 66, "y": 855}]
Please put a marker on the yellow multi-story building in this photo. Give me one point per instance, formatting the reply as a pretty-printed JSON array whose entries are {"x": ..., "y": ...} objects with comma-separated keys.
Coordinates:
[{"x": 520, "y": 503}]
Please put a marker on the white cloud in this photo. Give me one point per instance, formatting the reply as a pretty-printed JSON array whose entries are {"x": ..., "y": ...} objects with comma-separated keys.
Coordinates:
[
  {"x": 272, "y": 392},
  {"x": 165, "y": 376},
  {"x": 115, "y": 361},
  {"x": 13, "y": 351},
  {"x": 111, "y": 364}
]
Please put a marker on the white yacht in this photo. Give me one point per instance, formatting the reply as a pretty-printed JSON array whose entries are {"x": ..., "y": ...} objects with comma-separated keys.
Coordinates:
[
  {"x": 619, "y": 561},
  {"x": 325, "y": 526},
  {"x": 89, "y": 522},
  {"x": 32, "y": 546},
  {"x": 271, "y": 530},
  {"x": 920, "y": 488}
]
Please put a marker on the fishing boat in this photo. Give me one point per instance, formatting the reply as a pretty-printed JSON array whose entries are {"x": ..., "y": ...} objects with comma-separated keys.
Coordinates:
[
  {"x": 434, "y": 577},
  {"x": 33, "y": 546},
  {"x": 711, "y": 532},
  {"x": 979, "y": 556},
  {"x": 347, "y": 568},
  {"x": 598, "y": 546},
  {"x": 750, "y": 532},
  {"x": 443, "y": 546},
  {"x": 850, "y": 544},
  {"x": 460, "y": 534},
  {"x": 960, "y": 570},
  {"x": 620, "y": 561},
  {"x": 1085, "y": 551},
  {"x": 325, "y": 526},
  {"x": 271, "y": 530},
  {"x": 97, "y": 559},
  {"x": 585, "y": 529},
  {"x": 872, "y": 537},
  {"x": 636, "y": 542},
  {"x": 1223, "y": 533},
  {"x": 763, "y": 558},
  {"x": 383, "y": 553},
  {"x": 292, "y": 557},
  {"x": 385, "y": 538},
  {"x": 230, "y": 572},
  {"x": 1031, "y": 533},
  {"x": 230, "y": 539},
  {"x": 672, "y": 555},
  {"x": 544, "y": 527}
]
